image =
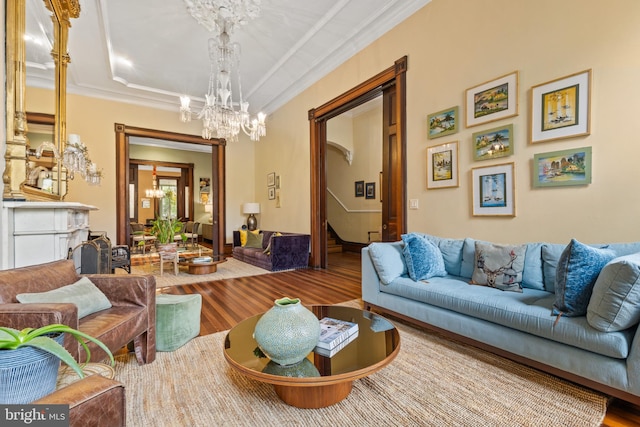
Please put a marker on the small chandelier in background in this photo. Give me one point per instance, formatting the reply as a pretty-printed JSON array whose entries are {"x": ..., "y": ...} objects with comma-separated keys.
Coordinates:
[
  {"x": 75, "y": 158},
  {"x": 224, "y": 113},
  {"x": 155, "y": 192}
]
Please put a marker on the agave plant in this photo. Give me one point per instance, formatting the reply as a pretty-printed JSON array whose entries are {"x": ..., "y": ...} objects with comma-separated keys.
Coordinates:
[
  {"x": 166, "y": 229},
  {"x": 12, "y": 339}
]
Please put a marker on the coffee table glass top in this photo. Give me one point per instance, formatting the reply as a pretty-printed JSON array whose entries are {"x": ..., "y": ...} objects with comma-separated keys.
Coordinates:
[{"x": 377, "y": 340}]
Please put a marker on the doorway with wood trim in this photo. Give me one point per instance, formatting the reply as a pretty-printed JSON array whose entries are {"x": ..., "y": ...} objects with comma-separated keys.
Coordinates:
[{"x": 391, "y": 83}]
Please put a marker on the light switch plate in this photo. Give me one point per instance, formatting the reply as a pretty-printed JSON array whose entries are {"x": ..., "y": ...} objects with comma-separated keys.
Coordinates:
[{"x": 413, "y": 203}]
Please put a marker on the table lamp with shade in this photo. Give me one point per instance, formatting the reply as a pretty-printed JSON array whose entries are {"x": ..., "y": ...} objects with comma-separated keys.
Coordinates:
[{"x": 251, "y": 209}]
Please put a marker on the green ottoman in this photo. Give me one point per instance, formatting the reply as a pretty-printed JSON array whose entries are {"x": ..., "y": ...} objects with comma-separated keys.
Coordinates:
[{"x": 177, "y": 320}]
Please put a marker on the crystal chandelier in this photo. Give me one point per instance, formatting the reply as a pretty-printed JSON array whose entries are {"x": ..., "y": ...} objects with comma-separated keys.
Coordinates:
[
  {"x": 155, "y": 192},
  {"x": 224, "y": 113},
  {"x": 75, "y": 158}
]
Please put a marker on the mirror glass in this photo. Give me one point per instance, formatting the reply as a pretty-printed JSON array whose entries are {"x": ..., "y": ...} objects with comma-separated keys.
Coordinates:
[
  {"x": 38, "y": 39},
  {"x": 44, "y": 170}
]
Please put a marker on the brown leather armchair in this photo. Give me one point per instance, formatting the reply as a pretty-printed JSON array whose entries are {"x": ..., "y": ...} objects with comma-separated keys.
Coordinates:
[
  {"x": 132, "y": 316},
  {"x": 93, "y": 401}
]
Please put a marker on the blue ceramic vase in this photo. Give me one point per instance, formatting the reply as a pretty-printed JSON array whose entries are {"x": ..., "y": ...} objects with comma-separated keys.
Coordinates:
[{"x": 288, "y": 332}]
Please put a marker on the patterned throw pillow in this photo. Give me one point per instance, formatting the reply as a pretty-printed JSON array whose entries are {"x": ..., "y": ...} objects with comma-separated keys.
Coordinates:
[
  {"x": 499, "y": 266},
  {"x": 577, "y": 271},
  {"x": 423, "y": 258}
]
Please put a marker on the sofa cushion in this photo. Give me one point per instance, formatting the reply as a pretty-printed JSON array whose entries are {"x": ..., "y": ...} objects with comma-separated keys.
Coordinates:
[
  {"x": 527, "y": 311},
  {"x": 423, "y": 258},
  {"x": 551, "y": 254},
  {"x": 254, "y": 240},
  {"x": 532, "y": 276},
  {"x": 615, "y": 301},
  {"x": 499, "y": 266},
  {"x": 451, "y": 250},
  {"x": 83, "y": 293},
  {"x": 243, "y": 235},
  {"x": 577, "y": 271},
  {"x": 388, "y": 260}
]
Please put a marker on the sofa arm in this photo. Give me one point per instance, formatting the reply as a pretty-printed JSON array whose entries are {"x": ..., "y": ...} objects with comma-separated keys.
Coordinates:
[
  {"x": 369, "y": 278},
  {"x": 133, "y": 290},
  {"x": 93, "y": 401},
  {"x": 289, "y": 251},
  {"x": 121, "y": 290},
  {"x": 35, "y": 315}
]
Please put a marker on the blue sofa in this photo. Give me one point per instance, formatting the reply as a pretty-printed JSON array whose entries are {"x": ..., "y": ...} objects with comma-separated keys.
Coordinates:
[
  {"x": 277, "y": 251},
  {"x": 517, "y": 325}
]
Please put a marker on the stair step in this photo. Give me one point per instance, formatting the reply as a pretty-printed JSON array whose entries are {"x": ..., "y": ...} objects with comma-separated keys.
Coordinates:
[{"x": 334, "y": 249}]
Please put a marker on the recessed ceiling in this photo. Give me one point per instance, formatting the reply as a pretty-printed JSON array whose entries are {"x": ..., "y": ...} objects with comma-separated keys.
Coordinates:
[{"x": 149, "y": 52}]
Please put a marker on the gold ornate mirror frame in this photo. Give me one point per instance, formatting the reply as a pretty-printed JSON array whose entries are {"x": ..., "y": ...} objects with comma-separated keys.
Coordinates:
[{"x": 15, "y": 173}]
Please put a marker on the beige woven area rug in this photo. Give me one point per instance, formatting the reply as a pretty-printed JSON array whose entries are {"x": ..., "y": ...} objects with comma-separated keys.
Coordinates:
[
  {"x": 432, "y": 382},
  {"x": 229, "y": 269}
]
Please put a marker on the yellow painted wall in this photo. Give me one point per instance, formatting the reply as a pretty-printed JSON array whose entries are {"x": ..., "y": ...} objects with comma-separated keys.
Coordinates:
[
  {"x": 93, "y": 119},
  {"x": 453, "y": 45}
]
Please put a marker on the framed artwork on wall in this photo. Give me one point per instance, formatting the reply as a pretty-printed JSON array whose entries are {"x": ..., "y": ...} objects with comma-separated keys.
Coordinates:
[
  {"x": 561, "y": 168},
  {"x": 271, "y": 179},
  {"x": 493, "y": 143},
  {"x": 493, "y": 100},
  {"x": 370, "y": 190},
  {"x": 493, "y": 190},
  {"x": 442, "y": 123},
  {"x": 271, "y": 192},
  {"x": 442, "y": 166},
  {"x": 359, "y": 188},
  {"x": 561, "y": 108}
]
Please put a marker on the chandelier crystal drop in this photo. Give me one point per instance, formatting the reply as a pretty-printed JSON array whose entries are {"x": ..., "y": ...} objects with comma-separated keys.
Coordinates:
[
  {"x": 75, "y": 158},
  {"x": 225, "y": 112}
]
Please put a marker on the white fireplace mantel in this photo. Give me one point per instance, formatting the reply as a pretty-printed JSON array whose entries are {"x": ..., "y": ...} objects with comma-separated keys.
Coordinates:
[{"x": 40, "y": 232}]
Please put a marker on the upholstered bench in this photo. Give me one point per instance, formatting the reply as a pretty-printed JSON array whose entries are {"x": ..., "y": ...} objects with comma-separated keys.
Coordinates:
[{"x": 177, "y": 320}]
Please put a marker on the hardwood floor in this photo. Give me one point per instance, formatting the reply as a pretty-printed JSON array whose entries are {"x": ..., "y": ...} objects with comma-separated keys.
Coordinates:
[{"x": 227, "y": 302}]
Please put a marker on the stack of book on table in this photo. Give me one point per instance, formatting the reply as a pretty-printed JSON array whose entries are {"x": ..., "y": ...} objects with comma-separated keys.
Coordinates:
[
  {"x": 335, "y": 335},
  {"x": 201, "y": 259}
]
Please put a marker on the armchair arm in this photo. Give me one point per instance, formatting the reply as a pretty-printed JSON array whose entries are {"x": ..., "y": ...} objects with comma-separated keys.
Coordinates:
[
  {"x": 93, "y": 401},
  {"x": 35, "y": 315},
  {"x": 123, "y": 290}
]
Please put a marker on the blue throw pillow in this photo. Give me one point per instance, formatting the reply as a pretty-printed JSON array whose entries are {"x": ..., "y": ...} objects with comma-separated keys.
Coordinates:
[
  {"x": 423, "y": 258},
  {"x": 578, "y": 268}
]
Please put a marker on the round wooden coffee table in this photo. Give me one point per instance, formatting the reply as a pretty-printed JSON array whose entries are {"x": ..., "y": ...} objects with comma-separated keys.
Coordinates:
[
  {"x": 195, "y": 267},
  {"x": 377, "y": 344}
]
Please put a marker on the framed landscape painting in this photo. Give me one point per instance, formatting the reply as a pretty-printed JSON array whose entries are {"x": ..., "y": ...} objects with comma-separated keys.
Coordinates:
[
  {"x": 493, "y": 143},
  {"x": 494, "y": 100},
  {"x": 561, "y": 168},
  {"x": 442, "y": 123},
  {"x": 493, "y": 190},
  {"x": 561, "y": 108},
  {"x": 442, "y": 166}
]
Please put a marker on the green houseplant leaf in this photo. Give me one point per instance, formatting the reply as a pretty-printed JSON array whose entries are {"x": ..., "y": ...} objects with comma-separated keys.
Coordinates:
[
  {"x": 166, "y": 229},
  {"x": 12, "y": 339}
]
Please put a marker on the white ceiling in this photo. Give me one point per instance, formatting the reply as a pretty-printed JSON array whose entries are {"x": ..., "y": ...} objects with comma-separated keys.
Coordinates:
[{"x": 289, "y": 46}]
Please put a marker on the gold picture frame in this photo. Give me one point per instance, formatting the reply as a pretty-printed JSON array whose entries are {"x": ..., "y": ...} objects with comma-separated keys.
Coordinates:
[
  {"x": 442, "y": 166},
  {"x": 494, "y": 100},
  {"x": 561, "y": 108}
]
